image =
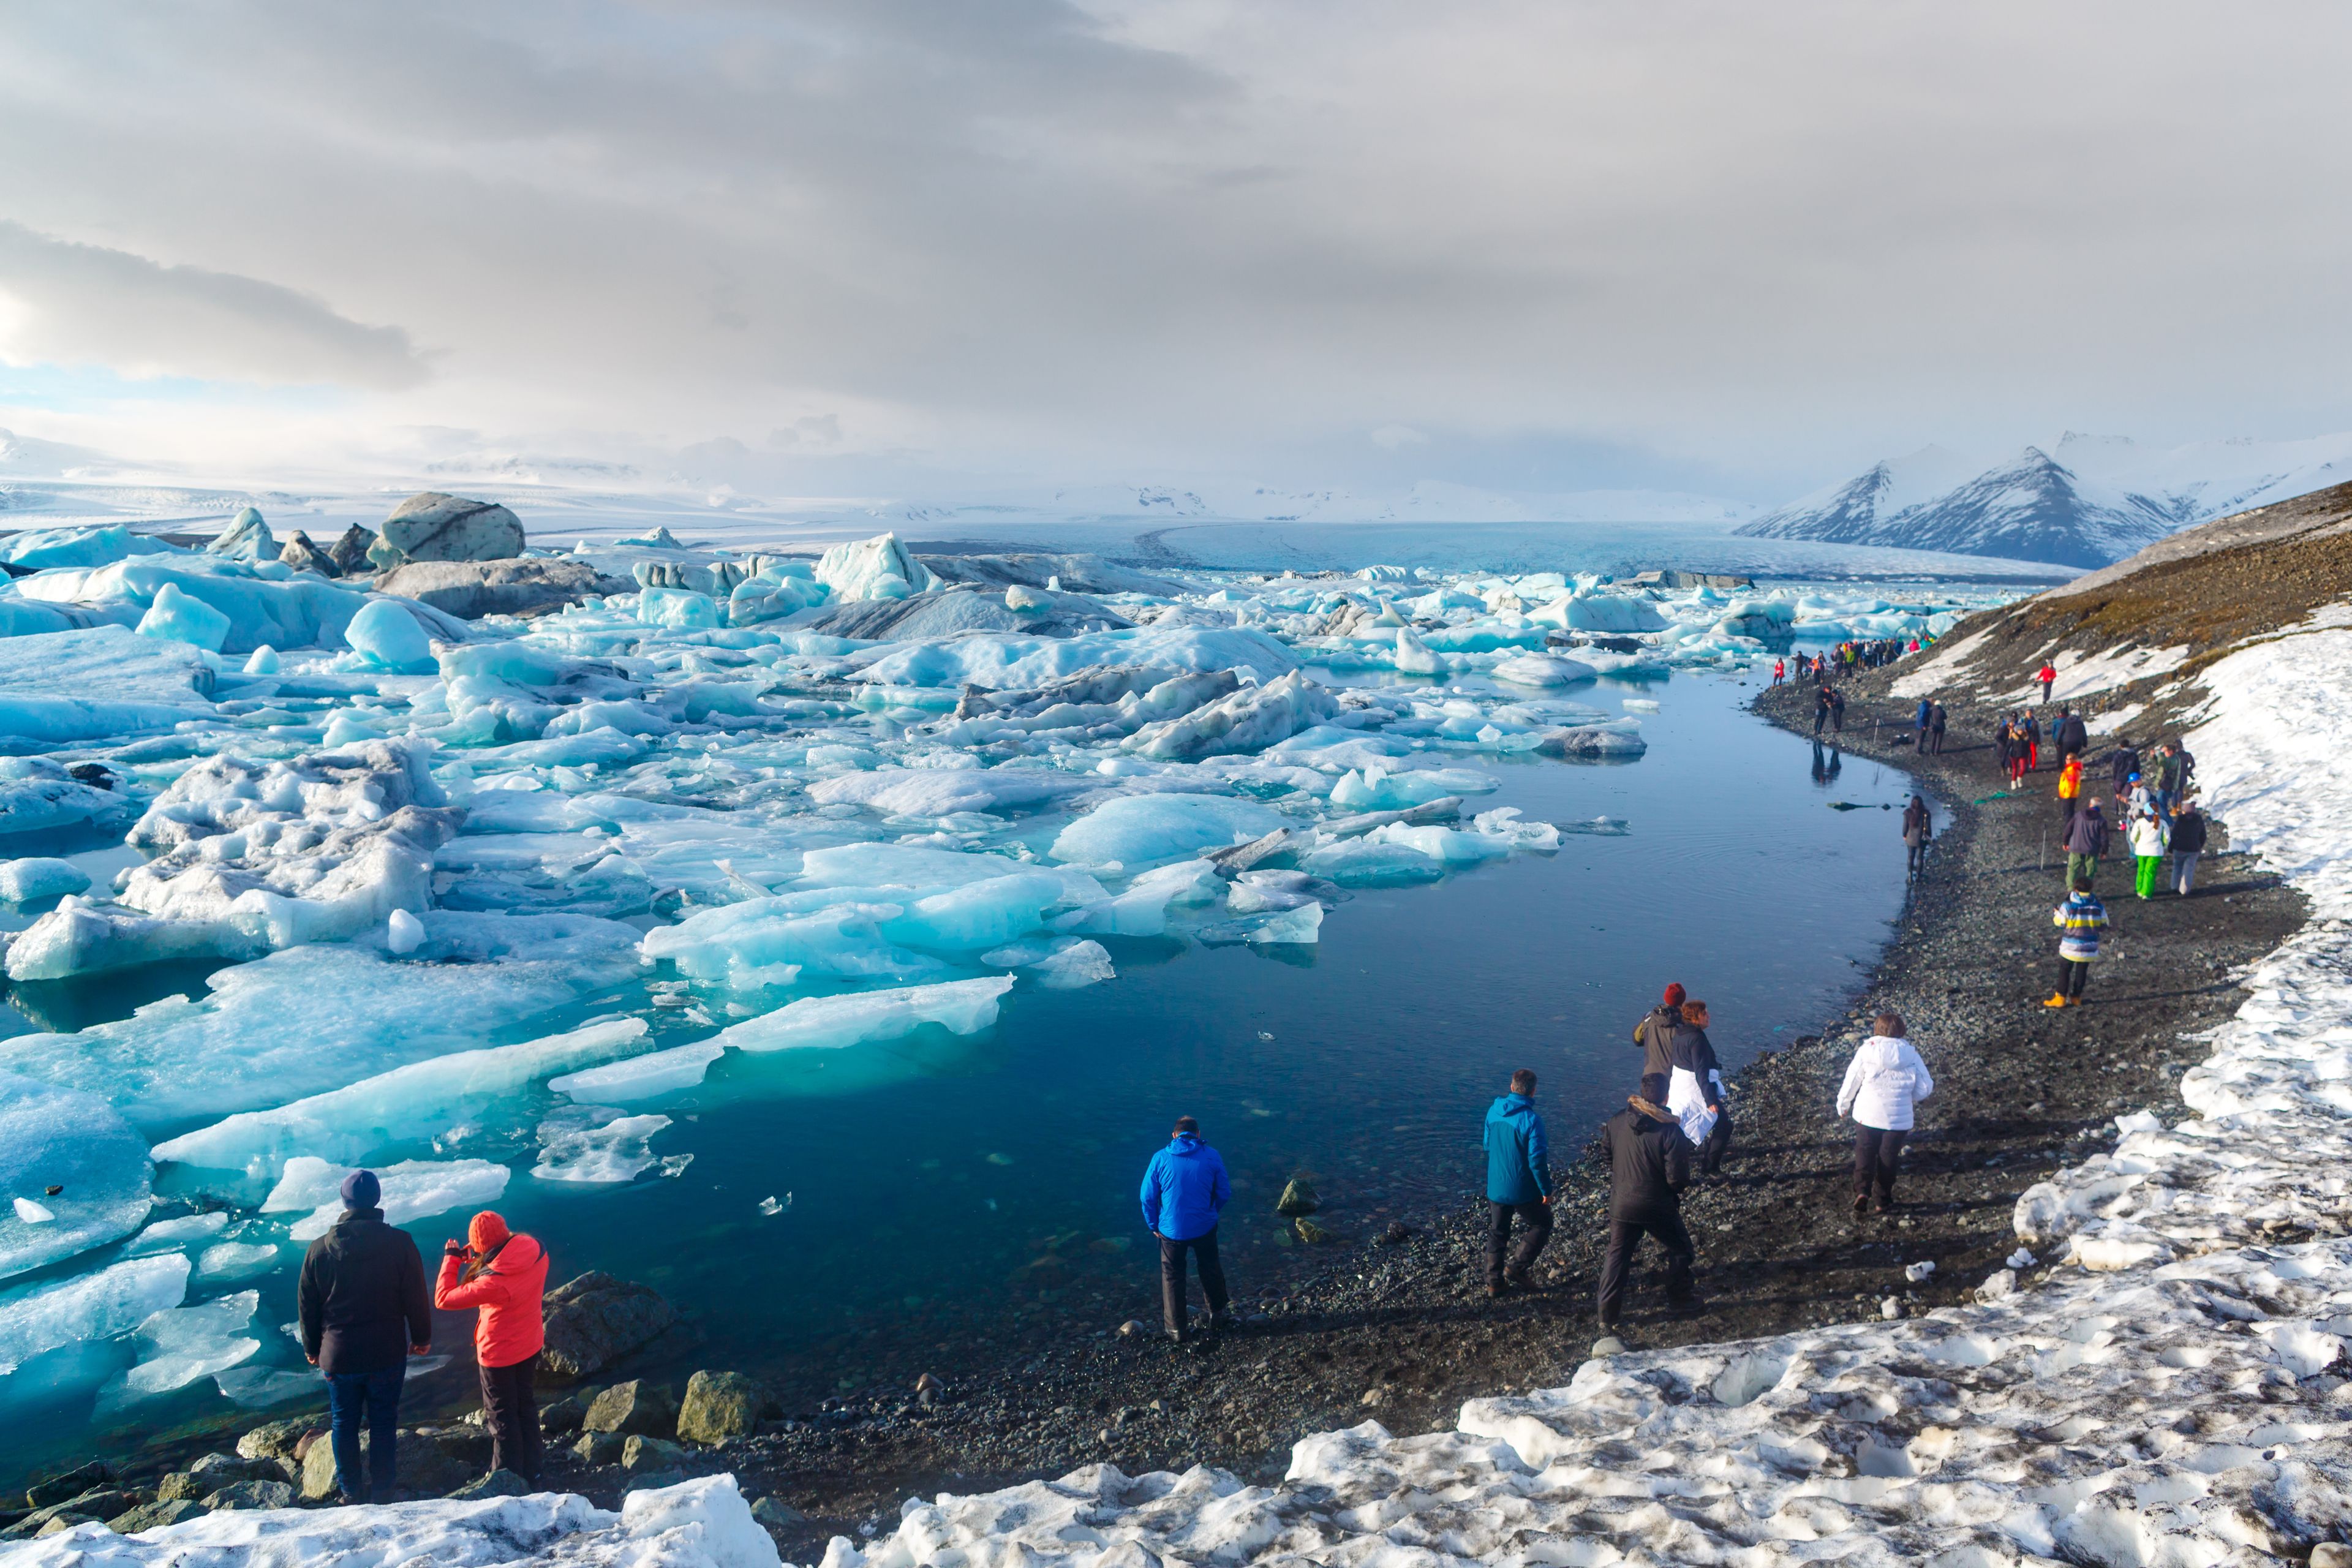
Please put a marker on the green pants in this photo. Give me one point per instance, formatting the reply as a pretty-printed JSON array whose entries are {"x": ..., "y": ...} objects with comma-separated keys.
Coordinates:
[
  {"x": 2150, "y": 867},
  {"x": 2082, "y": 868}
]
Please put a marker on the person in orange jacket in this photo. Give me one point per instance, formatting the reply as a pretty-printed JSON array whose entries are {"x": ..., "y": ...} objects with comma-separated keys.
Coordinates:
[
  {"x": 504, "y": 1274},
  {"x": 2069, "y": 788}
]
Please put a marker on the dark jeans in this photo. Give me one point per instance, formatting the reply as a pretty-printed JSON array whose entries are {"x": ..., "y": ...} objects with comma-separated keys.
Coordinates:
[
  {"x": 1935, "y": 743},
  {"x": 1918, "y": 857},
  {"x": 1669, "y": 1232},
  {"x": 512, "y": 1416},
  {"x": 372, "y": 1399},
  {"x": 1718, "y": 1144},
  {"x": 1499, "y": 1236},
  {"x": 1172, "y": 1276},
  {"x": 1877, "y": 1153},
  {"x": 2071, "y": 973}
]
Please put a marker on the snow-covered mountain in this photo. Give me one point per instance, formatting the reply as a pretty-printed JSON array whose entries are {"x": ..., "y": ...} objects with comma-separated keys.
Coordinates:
[{"x": 2086, "y": 502}]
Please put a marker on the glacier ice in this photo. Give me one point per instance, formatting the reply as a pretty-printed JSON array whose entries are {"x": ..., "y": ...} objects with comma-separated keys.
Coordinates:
[
  {"x": 93, "y": 682},
  {"x": 265, "y": 601},
  {"x": 1146, "y": 829},
  {"x": 24, "y": 881},
  {"x": 180, "y": 1345},
  {"x": 180, "y": 616},
  {"x": 591, "y": 1143},
  {"x": 386, "y": 637},
  {"x": 412, "y": 1189},
  {"x": 960, "y": 1007},
  {"x": 642, "y": 1077},
  {"x": 99, "y": 1306},
  {"x": 878, "y": 568},
  {"x": 52, "y": 1137},
  {"x": 235, "y": 1259}
]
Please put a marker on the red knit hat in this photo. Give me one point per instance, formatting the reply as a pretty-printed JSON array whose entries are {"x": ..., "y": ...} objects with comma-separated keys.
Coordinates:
[
  {"x": 488, "y": 1230},
  {"x": 1674, "y": 994}
]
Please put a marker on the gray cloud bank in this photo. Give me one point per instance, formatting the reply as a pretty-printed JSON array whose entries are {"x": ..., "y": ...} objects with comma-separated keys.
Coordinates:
[{"x": 1516, "y": 245}]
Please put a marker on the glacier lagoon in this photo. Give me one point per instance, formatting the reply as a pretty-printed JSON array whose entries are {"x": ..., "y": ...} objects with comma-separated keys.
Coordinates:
[{"x": 648, "y": 863}]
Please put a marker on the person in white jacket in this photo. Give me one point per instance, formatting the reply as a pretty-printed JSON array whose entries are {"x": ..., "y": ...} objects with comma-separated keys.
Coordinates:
[{"x": 1882, "y": 1082}]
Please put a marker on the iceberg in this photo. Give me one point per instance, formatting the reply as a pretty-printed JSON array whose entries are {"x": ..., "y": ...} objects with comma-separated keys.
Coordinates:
[
  {"x": 182, "y": 617},
  {"x": 826, "y": 1023},
  {"x": 876, "y": 568},
  {"x": 97, "y": 682},
  {"x": 642, "y": 1077},
  {"x": 265, "y": 601},
  {"x": 574, "y": 1147},
  {"x": 113, "y": 1301},
  {"x": 1543, "y": 669},
  {"x": 83, "y": 545},
  {"x": 385, "y": 635},
  {"x": 1000, "y": 661},
  {"x": 412, "y": 1189},
  {"x": 1146, "y": 829},
  {"x": 180, "y": 1345},
  {"x": 27, "y": 881},
  {"x": 63, "y": 1138},
  {"x": 1249, "y": 720}
]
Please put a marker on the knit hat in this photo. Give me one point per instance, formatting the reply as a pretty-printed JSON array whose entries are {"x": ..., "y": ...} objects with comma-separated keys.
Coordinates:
[
  {"x": 362, "y": 1190},
  {"x": 1674, "y": 994},
  {"x": 488, "y": 1230}
]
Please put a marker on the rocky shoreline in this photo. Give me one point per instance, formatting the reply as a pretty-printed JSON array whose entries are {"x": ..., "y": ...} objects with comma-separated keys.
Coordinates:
[{"x": 1398, "y": 1327}]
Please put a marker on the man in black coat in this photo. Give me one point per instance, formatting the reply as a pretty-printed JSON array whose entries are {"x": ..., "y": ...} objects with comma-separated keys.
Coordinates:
[
  {"x": 1649, "y": 1166},
  {"x": 364, "y": 1310},
  {"x": 2074, "y": 736}
]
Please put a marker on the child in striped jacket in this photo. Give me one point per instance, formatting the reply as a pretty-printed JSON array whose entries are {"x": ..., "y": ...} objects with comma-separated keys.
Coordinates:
[{"x": 2078, "y": 921}]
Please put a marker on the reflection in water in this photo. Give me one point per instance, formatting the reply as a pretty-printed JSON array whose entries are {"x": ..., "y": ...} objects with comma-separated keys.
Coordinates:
[{"x": 1826, "y": 767}]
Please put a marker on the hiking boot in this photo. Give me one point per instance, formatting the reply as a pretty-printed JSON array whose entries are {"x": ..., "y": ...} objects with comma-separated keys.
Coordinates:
[
  {"x": 2057, "y": 999},
  {"x": 1175, "y": 1336},
  {"x": 1225, "y": 1321},
  {"x": 1861, "y": 1203},
  {"x": 1520, "y": 1280}
]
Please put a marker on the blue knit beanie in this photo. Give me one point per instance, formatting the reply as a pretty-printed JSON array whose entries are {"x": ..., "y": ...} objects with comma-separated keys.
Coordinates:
[{"x": 362, "y": 1190}]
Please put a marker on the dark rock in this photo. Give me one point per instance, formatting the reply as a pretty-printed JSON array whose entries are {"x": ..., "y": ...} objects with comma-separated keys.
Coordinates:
[
  {"x": 304, "y": 556},
  {"x": 562, "y": 1417},
  {"x": 1298, "y": 1199},
  {"x": 59, "y": 1522},
  {"x": 653, "y": 1480},
  {"x": 251, "y": 1494},
  {"x": 431, "y": 526},
  {"x": 600, "y": 1447},
  {"x": 498, "y": 1483},
  {"x": 594, "y": 1320},
  {"x": 469, "y": 1445},
  {"x": 71, "y": 1483},
  {"x": 423, "y": 1467},
  {"x": 214, "y": 1471},
  {"x": 634, "y": 1407},
  {"x": 350, "y": 553},
  {"x": 155, "y": 1515},
  {"x": 720, "y": 1405},
  {"x": 97, "y": 776},
  {"x": 773, "y": 1514},
  {"x": 641, "y": 1454},
  {"x": 181, "y": 1487},
  {"x": 469, "y": 590}
]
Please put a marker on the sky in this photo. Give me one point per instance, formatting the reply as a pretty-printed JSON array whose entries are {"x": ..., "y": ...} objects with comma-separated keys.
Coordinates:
[{"x": 868, "y": 247}]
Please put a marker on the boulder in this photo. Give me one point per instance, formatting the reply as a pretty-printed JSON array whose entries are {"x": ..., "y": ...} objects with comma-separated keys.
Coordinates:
[
  {"x": 304, "y": 556},
  {"x": 1298, "y": 1199},
  {"x": 641, "y": 1454},
  {"x": 600, "y": 1447},
  {"x": 594, "y": 1320},
  {"x": 528, "y": 585},
  {"x": 467, "y": 1445},
  {"x": 97, "y": 1502},
  {"x": 562, "y": 1417},
  {"x": 251, "y": 1494},
  {"x": 70, "y": 1483},
  {"x": 634, "y": 1407},
  {"x": 774, "y": 1515},
  {"x": 155, "y": 1515},
  {"x": 349, "y": 552},
  {"x": 431, "y": 526},
  {"x": 498, "y": 1483},
  {"x": 58, "y": 1523},
  {"x": 214, "y": 1471},
  {"x": 720, "y": 1405},
  {"x": 181, "y": 1487},
  {"x": 423, "y": 1468},
  {"x": 277, "y": 1440}
]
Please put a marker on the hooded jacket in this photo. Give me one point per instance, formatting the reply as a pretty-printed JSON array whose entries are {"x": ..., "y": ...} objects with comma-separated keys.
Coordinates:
[
  {"x": 2086, "y": 831},
  {"x": 1184, "y": 1189},
  {"x": 362, "y": 1297},
  {"x": 2073, "y": 734},
  {"x": 1519, "y": 1161},
  {"x": 1649, "y": 1164},
  {"x": 2070, "y": 779},
  {"x": 513, "y": 1328},
  {"x": 2188, "y": 833},
  {"x": 2080, "y": 918},
  {"x": 2147, "y": 834},
  {"x": 1655, "y": 1035},
  {"x": 1883, "y": 1081}
]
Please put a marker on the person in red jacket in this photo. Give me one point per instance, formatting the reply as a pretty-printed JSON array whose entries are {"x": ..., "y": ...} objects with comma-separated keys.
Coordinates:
[
  {"x": 504, "y": 1275},
  {"x": 2048, "y": 676}
]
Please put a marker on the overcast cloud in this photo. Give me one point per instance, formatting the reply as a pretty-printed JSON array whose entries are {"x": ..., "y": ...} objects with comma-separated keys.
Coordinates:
[{"x": 1720, "y": 246}]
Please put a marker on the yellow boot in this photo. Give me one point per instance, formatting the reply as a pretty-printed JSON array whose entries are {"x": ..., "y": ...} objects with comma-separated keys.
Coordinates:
[{"x": 2057, "y": 1000}]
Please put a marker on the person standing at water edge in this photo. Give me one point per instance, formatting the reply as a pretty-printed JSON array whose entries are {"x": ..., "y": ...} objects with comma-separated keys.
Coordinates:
[
  {"x": 1821, "y": 708},
  {"x": 1649, "y": 1166},
  {"x": 1837, "y": 710},
  {"x": 1883, "y": 1081},
  {"x": 1184, "y": 1190},
  {"x": 1518, "y": 1185},
  {"x": 1925, "y": 717},
  {"x": 1656, "y": 1033},
  {"x": 1694, "y": 1091},
  {"x": 1936, "y": 724},
  {"x": 2187, "y": 843},
  {"x": 363, "y": 1312},
  {"x": 2079, "y": 919},
  {"x": 1918, "y": 827},
  {"x": 504, "y": 1274}
]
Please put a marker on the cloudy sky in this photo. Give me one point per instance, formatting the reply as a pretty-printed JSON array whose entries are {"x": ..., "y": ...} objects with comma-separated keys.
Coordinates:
[{"x": 870, "y": 247}]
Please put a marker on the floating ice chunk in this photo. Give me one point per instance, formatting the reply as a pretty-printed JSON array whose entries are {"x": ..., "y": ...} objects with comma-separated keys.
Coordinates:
[
  {"x": 167, "y": 1233},
  {"x": 642, "y": 1077},
  {"x": 235, "y": 1259},
  {"x": 181, "y": 1344},
  {"x": 1368, "y": 862},
  {"x": 1640, "y": 705},
  {"x": 1146, "y": 829},
  {"x": 78, "y": 545},
  {"x": 575, "y": 1148},
  {"x": 1009, "y": 661},
  {"x": 403, "y": 933},
  {"x": 1302, "y": 925},
  {"x": 264, "y": 661},
  {"x": 1069, "y": 968},
  {"x": 1597, "y": 612},
  {"x": 960, "y": 1007},
  {"x": 1373, "y": 788},
  {"x": 978, "y": 914},
  {"x": 1447, "y": 845},
  {"x": 876, "y": 568},
  {"x": 677, "y": 609},
  {"x": 770, "y": 941},
  {"x": 1542, "y": 669},
  {"x": 25, "y": 881},
  {"x": 95, "y": 682},
  {"x": 407, "y": 1103},
  {"x": 943, "y": 792},
  {"x": 1254, "y": 892},
  {"x": 1412, "y": 656},
  {"x": 257, "y": 1387},
  {"x": 897, "y": 866},
  {"x": 266, "y": 602},
  {"x": 1504, "y": 823},
  {"x": 1617, "y": 737},
  {"x": 386, "y": 637},
  {"x": 114, "y": 1300},
  {"x": 1248, "y": 720},
  {"x": 64, "y": 1138},
  {"x": 180, "y": 617},
  {"x": 412, "y": 1189}
]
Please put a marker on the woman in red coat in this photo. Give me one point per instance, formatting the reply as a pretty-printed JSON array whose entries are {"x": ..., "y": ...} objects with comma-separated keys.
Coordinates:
[{"x": 504, "y": 1275}]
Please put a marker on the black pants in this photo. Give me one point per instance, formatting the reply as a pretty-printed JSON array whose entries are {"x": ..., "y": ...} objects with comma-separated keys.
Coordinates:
[
  {"x": 1499, "y": 1236},
  {"x": 1918, "y": 858},
  {"x": 512, "y": 1416},
  {"x": 2071, "y": 973},
  {"x": 1624, "y": 1235},
  {"x": 1172, "y": 1276},
  {"x": 1876, "y": 1153},
  {"x": 1821, "y": 716},
  {"x": 369, "y": 1401},
  {"x": 1935, "y": 743},
  {"x": 1718, "y": 1144}
]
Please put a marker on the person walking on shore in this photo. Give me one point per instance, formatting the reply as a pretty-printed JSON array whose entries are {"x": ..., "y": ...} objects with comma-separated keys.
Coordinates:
[
  {"x": 2048, "y": 676},
  {"x": 2078, "y": 919},
  {"x": 2017, "y": 754},
  {"x": 2032, "y": 742},
  {"x": 1886, "y": 1078},
  {"x": 1518, "y": 1185},
  {"x": 2173, "y": 766},
  {"x": 2069, "y": 790},
  {"x": 1936, "y": 722},
  {"x": 1780, "y": 670},
  {"x": 2187, "y": 843},
  {"x": 1918, "y": 827},
  {"x": 2086, "y": 841},
  {"x": 2073, "y": 735},
  {"x": 1926, "y": 715},
  {"x": 1649, "y": 1166},
  {"x": 1837, "y": 710},
  {"x": 1656, "y": 1032},
  {"x": 2147, "y": 836},
  {"x": 1694, "y": 1091},
  {"x": 1184, "y": 1190},
  {"x": 2123, "y": 762},
  {"x": 363, "y": 1312},
  {"x": 504, "y": 1275}
]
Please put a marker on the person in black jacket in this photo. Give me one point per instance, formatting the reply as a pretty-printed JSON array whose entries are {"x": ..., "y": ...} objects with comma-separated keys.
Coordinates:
[
  {"x": 2125, "y": 759},
  {"x": 2187, "y": 843},
  {"x": 1656, "y": 1033},
  {"x": 2074, "y": 736},
  {"x": 1938, "y": 723},
  {"x": 1649, "y": 1166},
  {"x": 364, "y": 1310},
  {"x": 1694, "y": 1053}
]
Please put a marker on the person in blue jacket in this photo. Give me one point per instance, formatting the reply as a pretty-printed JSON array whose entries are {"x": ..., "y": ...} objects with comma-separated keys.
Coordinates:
[
  {"x": 1184, "y": 1190},
  {"x": 1518, "y": 1185}
]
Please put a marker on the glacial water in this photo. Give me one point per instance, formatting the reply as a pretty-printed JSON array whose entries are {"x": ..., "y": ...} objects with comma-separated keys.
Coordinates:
[{"x": 834, "y": 1218}]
